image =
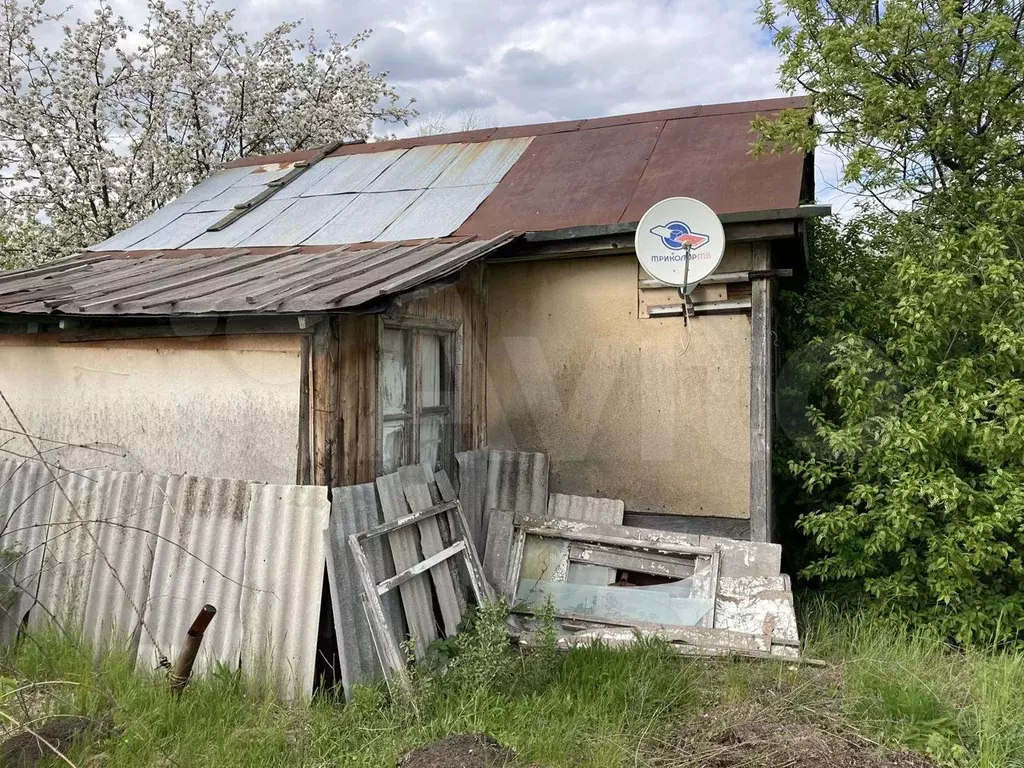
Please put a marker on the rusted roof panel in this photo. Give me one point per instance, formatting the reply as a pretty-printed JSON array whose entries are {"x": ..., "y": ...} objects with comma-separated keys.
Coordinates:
[
  {"x": 474, "y": 184},
  {"x": 485, "y": 163},
  {"x": 708, "y": 158},
  {"x": 569, "y": 179},
  {"x": 242, "y": 282}
]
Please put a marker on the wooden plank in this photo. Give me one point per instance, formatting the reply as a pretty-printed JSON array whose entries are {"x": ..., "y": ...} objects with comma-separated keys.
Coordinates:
[
  {"x": 304, "y": 462},
  {"x": 324, "y": 404},
  {"x": 354, "y": 509},
  {"x": 761, "y": 522},
  {"x": 417, "y": 494},
  {"x": 697, "y": 636},
  {"x": 726, "y": 527},
  {"x": 391, "y": 658},
  {"x": 416, "y": 596},
  {"x": 406, "y": 521},
  {"x": 421, "y": 567},
  {"x": 630, "y": 560},
  {"x": 614, "y": 535}
]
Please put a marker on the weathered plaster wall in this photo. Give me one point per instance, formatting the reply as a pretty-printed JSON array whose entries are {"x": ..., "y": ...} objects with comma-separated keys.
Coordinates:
[
  {"x": 218, "y": 406},
  {"x": 643, "y": 410}
]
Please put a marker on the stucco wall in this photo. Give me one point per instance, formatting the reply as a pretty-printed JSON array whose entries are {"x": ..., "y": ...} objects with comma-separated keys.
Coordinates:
[
  {"x": 220, "y": 406},
  {"x": 643, "y": 410}
]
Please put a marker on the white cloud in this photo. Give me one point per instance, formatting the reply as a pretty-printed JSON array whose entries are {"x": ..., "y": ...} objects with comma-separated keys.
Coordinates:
[{"x": 516, "y": 61}]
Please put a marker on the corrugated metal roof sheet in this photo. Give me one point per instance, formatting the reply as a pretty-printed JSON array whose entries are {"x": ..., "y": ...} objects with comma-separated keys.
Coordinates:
[
  {"x": 236, "y": 283},
  {"x": 517, "y": 481},
  {"x": 284, "y": 576}
]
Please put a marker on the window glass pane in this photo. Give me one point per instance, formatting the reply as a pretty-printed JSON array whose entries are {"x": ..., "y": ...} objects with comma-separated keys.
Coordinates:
[
  {"x": 431, "y": 354},
  {"x": 394, "y": 372},
  {"x": 393, "y": 445},
  {"x": 433, "y": 431}
]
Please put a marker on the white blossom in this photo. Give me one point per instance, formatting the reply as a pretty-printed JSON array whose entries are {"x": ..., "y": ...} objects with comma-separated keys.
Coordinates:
[{"x": 112, "y": 123}]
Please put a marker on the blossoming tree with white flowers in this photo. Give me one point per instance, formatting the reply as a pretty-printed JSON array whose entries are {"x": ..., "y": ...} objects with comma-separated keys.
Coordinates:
[{"x": 112, "y": 122}]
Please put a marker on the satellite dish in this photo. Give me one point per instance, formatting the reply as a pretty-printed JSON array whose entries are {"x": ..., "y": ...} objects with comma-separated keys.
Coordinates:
[{"x": 680, "y": 241}]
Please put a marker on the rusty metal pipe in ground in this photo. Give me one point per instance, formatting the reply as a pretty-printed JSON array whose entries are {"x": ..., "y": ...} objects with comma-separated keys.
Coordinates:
[{"x": 182, "y": 670}]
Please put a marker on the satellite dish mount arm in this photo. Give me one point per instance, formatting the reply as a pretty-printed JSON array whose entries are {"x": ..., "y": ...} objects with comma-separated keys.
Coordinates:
[{"x": 686, "y": 289}]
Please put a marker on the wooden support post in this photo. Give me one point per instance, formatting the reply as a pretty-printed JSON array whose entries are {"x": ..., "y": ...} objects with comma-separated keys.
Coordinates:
[
  {"x": 761, "y": 412},
  {"x": 324, "y": 399}
]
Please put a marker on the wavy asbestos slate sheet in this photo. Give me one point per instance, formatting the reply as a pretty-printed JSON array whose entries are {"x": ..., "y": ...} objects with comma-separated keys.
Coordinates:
[
  {"x": 284, "y": 576},
  {"x": 199, "y": 559},
  {"x": 99, "y": 552},
  {"x": 26, "y": 499}
]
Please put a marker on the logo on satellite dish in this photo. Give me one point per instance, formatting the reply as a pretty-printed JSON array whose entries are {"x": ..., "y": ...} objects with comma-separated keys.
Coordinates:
[{"x": 677, "y": 235}]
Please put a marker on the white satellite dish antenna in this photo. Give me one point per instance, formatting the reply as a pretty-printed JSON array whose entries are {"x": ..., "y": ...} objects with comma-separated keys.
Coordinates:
[{"x": 680, "y": 241}]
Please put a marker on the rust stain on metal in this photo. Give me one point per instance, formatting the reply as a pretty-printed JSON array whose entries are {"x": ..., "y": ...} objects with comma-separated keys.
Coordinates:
[{"x": 569, "y": 179}]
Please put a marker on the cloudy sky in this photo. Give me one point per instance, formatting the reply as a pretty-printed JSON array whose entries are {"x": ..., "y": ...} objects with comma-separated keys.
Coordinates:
[{"x": 522, "y": 61}]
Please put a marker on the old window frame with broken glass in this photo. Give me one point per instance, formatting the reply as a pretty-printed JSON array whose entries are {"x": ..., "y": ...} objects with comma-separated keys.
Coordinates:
[{"x": 423, "y": 379}]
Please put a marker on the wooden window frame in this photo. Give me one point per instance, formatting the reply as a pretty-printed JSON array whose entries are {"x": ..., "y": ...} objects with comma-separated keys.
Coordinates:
[{"x": 452, "y": 350}]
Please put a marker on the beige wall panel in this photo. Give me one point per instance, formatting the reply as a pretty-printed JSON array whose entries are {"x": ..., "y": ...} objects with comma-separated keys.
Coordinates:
[
  {"x": 175, "y": 406},
  {"x": 646, "y": 411}
]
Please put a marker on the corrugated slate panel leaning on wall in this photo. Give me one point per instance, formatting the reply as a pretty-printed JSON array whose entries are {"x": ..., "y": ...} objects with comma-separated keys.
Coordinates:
[
  {"x": 199, "y": 558},
  {"x": 26, "y": 497},
  {"x": 284, "y": 576},
  {"x": 131, "y": 558}
]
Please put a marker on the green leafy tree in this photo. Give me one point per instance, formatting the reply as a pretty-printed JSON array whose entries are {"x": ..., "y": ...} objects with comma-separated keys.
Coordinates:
[{"x": 911, "y": 469}]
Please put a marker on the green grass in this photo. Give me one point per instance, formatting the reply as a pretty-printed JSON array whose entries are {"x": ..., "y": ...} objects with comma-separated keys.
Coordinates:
[
  {"x": 592, "y": 708},
  {"x": 963, "y": 708}
]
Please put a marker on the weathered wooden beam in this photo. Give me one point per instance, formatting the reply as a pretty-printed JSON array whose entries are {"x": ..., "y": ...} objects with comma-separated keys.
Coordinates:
[
  {"x": 417, "y": 494},
  {"x": 761, "y": 513},
  {"x": 324, "y": 401},
  {"x": 407, "y": 520},
  {"x": 424, "y": 565},
  {"x": 612, "y": 535},
  {"x": 631, "y": 560}
]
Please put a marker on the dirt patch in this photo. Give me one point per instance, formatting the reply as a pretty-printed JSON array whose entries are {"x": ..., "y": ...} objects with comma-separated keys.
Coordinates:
[
  {"x": 801, "y": 745},
  {"x": 462, "y": 750},
  {"x": 794, "y": 721},
  {"x": 26, "y": 750}
]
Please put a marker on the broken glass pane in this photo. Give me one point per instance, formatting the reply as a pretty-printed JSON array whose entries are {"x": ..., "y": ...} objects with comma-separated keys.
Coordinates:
[
  {"x": 431, "y": 347},
  {"x": 669, "y": 604},
  {"x": 394, "y": 372},
  {"x": 393, "y": 446},
  {"x": 432, "y": 429}
]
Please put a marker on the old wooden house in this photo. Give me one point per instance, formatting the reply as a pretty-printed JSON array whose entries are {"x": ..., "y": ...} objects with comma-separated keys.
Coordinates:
[{"x": 326, "y": 316}]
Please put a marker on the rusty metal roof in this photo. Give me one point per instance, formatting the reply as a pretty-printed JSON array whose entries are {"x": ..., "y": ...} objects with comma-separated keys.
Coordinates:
[
  {"x": 407, "y": 197},
  {"x": 239, "y": 282}
]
